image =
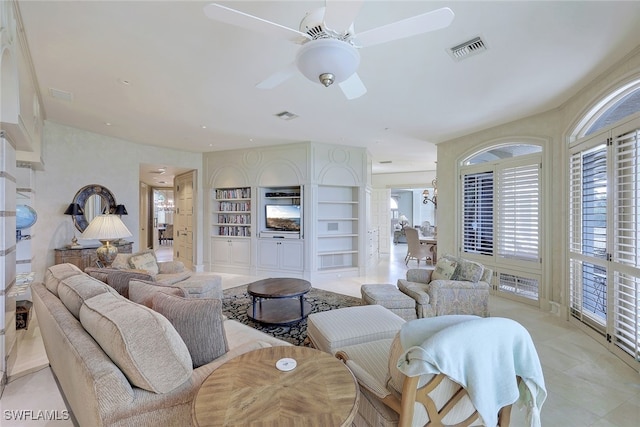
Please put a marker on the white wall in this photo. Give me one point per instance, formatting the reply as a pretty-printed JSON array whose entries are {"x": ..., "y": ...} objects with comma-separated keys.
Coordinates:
[{"x": 75, "y": 158}]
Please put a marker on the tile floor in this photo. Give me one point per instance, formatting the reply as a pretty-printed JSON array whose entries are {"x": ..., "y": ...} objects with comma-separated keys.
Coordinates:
[{"x": 586, "y": 385}]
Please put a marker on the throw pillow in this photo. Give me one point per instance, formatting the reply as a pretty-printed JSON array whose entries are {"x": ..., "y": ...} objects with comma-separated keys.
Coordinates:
[
  {"x": 144, "y": 261},
  {"x": 142, "y": 292},
  {"x": 445, "y": 268},
  {"x": 121, "y": 261},
  {"x": 199, "y": 321},
  {"x": 142, "y": 343},
  {"x": 469, "y": 271}
]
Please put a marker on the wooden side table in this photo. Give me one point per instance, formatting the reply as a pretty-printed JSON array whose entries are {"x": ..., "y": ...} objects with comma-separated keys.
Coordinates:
[
  {"x": 250, "y": 390},
  {"x": 86, "y": 256}
]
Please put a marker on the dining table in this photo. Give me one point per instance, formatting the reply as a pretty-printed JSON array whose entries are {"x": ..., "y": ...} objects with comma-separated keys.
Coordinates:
[{"x": 431, "y": 240}]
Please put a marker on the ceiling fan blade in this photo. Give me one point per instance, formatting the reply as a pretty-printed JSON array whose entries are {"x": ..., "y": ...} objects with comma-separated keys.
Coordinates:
[
  {"x": 277, "y": 78},
  {"x": 340, "y": 14},
  {"x": 235, "y": 17},
  {"x": 353, "y": 87},
  {"x": 430, "y": 21}
]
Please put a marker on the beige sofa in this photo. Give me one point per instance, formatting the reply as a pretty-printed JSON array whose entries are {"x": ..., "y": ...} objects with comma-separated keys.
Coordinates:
[
  {"x": 119, "y": 363},
  {"x": 144, "y": 266}
]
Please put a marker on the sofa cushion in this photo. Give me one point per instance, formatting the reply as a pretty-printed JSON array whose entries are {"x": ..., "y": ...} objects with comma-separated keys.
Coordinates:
[
  {"x": 170, "y": 267},
  {"x": 56, "y": 273},
  {"x": 145, "y": 261},
  {"x": 395, "y": 378},
  {"x": 142, "y": 292},
  {"x": 74, "y": 290},
  {"x": 198, "y": 321},
  {"x": 445, "y": 269},
  {"x": 141, "y": 342}
]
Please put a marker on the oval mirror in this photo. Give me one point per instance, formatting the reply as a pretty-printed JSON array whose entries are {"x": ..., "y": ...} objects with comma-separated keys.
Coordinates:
[{"x": 94, "y": 199}]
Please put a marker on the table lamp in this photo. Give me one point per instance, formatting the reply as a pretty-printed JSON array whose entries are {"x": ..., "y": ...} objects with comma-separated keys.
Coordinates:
[
  {"x": 106, "y": 228},
  {"x": 74, "y": 209},
  {"x": 120, "y": 210}
]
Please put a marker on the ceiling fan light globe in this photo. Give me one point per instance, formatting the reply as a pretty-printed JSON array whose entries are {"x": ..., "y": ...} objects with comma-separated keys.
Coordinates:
[{"x": 327, "y": 56}]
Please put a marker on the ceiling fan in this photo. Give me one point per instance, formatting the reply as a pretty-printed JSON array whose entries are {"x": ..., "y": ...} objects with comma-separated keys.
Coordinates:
[{"x": 329, "y": 51}]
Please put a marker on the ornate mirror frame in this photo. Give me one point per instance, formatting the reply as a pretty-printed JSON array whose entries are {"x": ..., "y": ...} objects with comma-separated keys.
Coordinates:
[{"x": 83, "y": 195}]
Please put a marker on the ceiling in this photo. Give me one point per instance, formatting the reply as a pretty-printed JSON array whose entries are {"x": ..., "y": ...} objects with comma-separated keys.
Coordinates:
[{"x": 163, "y": 74}]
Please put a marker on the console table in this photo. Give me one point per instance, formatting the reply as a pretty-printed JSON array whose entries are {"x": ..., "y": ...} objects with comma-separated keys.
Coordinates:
[{"x": 86, "y": 256}]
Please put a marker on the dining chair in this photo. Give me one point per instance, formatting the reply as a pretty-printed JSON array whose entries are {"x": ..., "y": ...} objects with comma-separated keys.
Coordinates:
[{"x": 416, "y": 250}]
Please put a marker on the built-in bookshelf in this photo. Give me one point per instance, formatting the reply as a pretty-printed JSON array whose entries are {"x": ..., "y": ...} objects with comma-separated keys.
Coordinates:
[
  {"x": 337, "y": 228},
  {"x": 231, "y": 212}
]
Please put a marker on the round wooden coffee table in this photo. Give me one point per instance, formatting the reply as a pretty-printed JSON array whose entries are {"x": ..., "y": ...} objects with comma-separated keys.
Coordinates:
[
  {"x": 250, "y": 390},
  {"x": 279, "y": 301}
]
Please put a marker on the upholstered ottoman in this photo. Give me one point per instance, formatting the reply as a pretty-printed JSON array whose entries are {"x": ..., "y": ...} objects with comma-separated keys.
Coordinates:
[
  {"x": 331, "y": 330},
  {"x": 391, "y": 298}
]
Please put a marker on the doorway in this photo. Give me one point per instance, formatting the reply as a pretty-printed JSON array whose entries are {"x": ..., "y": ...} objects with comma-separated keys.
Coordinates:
[
  {"x": 163, "y": 212},
  {"x": 408, "y": 208}
]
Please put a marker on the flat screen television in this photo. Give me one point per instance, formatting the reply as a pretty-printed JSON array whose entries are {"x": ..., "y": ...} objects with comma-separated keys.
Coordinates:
[{"x": 283, "y": 217}]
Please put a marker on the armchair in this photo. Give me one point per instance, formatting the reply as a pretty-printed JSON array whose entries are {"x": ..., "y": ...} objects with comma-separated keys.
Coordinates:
[
  {"x": 456, "y": 286},
  {"x": 417, "y": 378}
]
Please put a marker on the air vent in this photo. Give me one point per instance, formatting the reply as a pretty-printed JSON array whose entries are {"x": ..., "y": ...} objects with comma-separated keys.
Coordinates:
[
  {"x": 467, "y": 49},
  {"x": 60, "y": 94},
  {"x": 286, "y": 115},
  {"x": 386, "y": 162}
]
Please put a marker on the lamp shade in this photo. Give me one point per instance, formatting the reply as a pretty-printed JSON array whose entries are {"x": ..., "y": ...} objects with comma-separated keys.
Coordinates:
[
  {"x": 106, "y": 227},
  {"x": 327, "y": 56},
  {"x": 74, "y": 209},
  {"x": 121, "y": 210}
]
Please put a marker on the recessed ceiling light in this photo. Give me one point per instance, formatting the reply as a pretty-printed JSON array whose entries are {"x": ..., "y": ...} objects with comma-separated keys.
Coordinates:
[
  {"x": 107, "y": 123},
  {"x": 203, "y": 127},
  {"x": 124, "y": 82}
]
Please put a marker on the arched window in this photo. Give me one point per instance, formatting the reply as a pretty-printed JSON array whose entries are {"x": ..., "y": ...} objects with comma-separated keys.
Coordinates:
[
  {"x": 604, "y": 219},
  {"x": 500, "y": 223},
  {"x": 613, "y": 107}
]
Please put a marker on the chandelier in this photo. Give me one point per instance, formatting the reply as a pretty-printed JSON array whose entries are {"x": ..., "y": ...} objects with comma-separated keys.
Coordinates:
[
  {"x": 166, "y": 206},
  {"x": 425, "y": 194}
]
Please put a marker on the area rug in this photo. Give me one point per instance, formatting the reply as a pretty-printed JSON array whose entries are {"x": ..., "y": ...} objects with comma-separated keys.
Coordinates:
[{"x": 236, "y": 301}]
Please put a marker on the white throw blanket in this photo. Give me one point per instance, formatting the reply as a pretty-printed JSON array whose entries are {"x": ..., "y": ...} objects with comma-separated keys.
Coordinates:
[{"x": 484, "y": 355}]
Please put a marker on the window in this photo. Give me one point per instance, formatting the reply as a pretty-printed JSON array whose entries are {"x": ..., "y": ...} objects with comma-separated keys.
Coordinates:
[
  {"x": 604, "y": 238},
  {"x": 501, "y": 205},
  {"x": 478, "y": 213},
  {"x": 518, "y": 200}
]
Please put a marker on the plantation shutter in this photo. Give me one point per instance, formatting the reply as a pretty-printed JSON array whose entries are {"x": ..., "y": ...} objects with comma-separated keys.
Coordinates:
[
  {"x": 626, "y": 243},
  {"x": 518, "y": 212},
  {"x": 478, "y": 213},
  {"x": 588, "y": 235}
]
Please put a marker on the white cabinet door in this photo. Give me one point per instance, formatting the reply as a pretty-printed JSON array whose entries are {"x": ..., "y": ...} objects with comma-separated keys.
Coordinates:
[
  {"x": 240, "y": 252},
  {"x": 280, "y": 254},
  {"x": 291, "y": 255},
  {"x": 227, "y": 251},
  {"x": 219, "y": 251}
]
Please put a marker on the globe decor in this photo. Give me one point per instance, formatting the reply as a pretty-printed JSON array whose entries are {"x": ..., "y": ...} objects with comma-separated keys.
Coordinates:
[{"x": 26, "y": 216}]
